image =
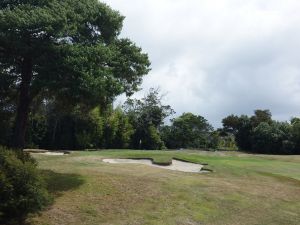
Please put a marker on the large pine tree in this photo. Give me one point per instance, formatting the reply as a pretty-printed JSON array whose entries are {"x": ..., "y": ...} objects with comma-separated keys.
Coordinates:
[{"x": 69, "y": 49}]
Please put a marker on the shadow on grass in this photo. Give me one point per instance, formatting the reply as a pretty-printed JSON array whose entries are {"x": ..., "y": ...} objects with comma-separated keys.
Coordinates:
[{"x": 57, "y": 183}]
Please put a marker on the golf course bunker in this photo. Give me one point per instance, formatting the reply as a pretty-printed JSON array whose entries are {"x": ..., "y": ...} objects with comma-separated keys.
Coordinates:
[
  {"x": 176, "y": 164},
  {"x": 47, "y": 152},
  {"x": 52, "y": 153}
]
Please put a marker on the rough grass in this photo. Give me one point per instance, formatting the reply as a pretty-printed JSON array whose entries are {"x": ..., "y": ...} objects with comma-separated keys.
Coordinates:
[{"x": 243, "y": 189}]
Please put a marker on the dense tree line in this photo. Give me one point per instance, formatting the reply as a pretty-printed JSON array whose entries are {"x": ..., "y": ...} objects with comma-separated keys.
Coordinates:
[
  {"x": 54, "y": 124},
  {"x": 62, "y": 64},
  {"x": 140, "y": 124},
  {"x": 261, "y": 134},
  {"x": 137, "y": 124},
  {"x": 188, "y": 131}
]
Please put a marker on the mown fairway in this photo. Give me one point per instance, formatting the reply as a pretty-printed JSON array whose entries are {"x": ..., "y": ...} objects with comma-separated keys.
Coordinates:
[{"x": 243, "y": 189}]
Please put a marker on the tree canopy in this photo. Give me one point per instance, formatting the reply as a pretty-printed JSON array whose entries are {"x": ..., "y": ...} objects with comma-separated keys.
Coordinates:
[
  {"x": 261, "y": 134},
  {"x": 188, "y": 131},
  {"x": 64, "y": 49},
  {"x": 147, "y": 116},
  {"x": 62, "y": 64}
]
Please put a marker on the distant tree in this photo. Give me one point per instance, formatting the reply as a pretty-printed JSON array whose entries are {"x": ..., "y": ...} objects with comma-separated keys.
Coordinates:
[
  {"x": 244, "y": 133},
  {"x": 188, "y": 131},
  {"x": 231, "y": 124},
  {"x": 261, "y": 134},
  {"x": 213, "y": 141},
  {"x": 118, "y": 130},
  {"x": 80, "y": 128},
  {"x": 265, "y": 138},
  {"x": 295, "y": 133},
  {"x": 261, "y": 116},
  {"x": 65, "y": 48},
  {"x": 241, "y": 127},
  {"x": 272, "y": 138},
  {"x": 226, "y": 141},
  {"x": 147, "y": 116},
  {"x": 37, "y": 130}
]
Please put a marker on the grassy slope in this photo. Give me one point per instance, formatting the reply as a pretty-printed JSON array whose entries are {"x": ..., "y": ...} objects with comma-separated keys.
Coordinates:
[{"x": 243, "y": 189}]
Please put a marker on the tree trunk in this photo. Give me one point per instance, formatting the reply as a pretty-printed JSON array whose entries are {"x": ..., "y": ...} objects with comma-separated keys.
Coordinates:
[{"x": 24, "y": 104}]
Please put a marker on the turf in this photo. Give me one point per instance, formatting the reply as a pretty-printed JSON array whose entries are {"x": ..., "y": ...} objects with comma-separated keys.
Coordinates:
[{"x": 242, "y": 189}]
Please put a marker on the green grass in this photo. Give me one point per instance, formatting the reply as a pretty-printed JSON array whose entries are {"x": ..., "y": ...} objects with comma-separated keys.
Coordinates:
[{"x": 243, "y": 189}]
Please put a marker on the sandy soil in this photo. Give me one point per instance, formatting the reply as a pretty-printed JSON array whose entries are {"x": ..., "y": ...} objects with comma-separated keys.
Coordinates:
[
  {"x": 176, "y": 164},
  {"x": 50, "y": 153}
]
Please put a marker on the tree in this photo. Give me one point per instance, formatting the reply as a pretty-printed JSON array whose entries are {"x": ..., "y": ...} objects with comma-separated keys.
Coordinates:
[
  {"x": 244, "y": 133},
  {"x": 118, "y": 130},
  {"x": 272, "y": 138},
  {"x": 188, "y": 131},
  {"x": 231, "y": 124},
  {"x": 7, "y": 108},
  {"x": 147, "y": 116},
  {"x": 53, "y": 128},
  {"x": 226, "y": 140},
  {"x": 241, "y": 128},
  {"x": 261, "y": 116},
  {"x": 295, "y": 132},
  {"x": 69, "y": 49},
  {"x": 261, "y": 134}
]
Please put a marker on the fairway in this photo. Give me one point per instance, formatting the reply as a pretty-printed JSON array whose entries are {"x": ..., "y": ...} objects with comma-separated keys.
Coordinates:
[{"x": 242, "y": 189}]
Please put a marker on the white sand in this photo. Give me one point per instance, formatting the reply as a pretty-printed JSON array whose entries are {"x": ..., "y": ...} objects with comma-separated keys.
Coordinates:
[
  {"x": 176, "y": 164},
  {"x": 51, "y": 153}
]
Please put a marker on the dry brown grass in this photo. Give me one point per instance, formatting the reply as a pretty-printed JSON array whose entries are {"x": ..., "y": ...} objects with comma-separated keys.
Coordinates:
[{"x": 238, "y": 192}]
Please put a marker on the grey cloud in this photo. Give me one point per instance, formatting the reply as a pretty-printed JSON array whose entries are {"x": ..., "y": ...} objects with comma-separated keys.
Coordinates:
[{"x": 220, "y": 57}]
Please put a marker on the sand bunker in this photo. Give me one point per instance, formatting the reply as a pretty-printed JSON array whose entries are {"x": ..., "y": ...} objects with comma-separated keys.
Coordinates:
[
  {"x": 46, "y": 152},
  {"x": 176, "y": 164},
  {"x": 50, "y": 153},
  {"x": 53, "y": 153}
]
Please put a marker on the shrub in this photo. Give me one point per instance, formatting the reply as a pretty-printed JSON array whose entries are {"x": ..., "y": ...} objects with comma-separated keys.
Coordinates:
[{"x": 22, "y": 190}]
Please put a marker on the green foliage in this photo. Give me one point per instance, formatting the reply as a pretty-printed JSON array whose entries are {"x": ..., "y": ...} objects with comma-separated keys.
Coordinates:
[
  {"x": 231, "y": 124},
  {"x": 227, "y": 142},
  {"x": 189, "y": 131},
  {"x": 295, "y": 133},
  {"x": 261, "y": 134},
  {"x": 118, "y": 130},
  {"x": 261, "y": 116},
  {"x": 213, "y": 141},
  {"x": 79, "y": 128},
  {"x": 147, "y": 116},
  {"x": 22, "y": 190},
  {"x": 76, "y": 129},
  {"x": 64, "y": 49},
  {"x": 6, "y": 122},
  {"x": 37, "y": 131},
  {"x": 244, "y": 132},
  {"x": 153, "y": 140},
  {"x": 267, "y": 137}
]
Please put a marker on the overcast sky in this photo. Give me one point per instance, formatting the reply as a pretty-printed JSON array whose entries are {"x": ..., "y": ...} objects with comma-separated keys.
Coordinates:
[{"x": 219, "y": 57}]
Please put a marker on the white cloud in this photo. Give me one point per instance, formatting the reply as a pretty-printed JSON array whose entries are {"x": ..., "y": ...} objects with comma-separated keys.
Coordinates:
[{"x": 220, "y": 57}]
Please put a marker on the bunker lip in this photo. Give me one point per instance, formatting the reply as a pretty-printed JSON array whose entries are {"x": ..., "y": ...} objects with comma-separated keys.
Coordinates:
[
  {"x": 46, "y": 152},
  {"x": 51, "y": 153},
  {"x": 183, "y": 160},
  {"x": 153, "y": 162},
  {"x": 177, "y": 165}
]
